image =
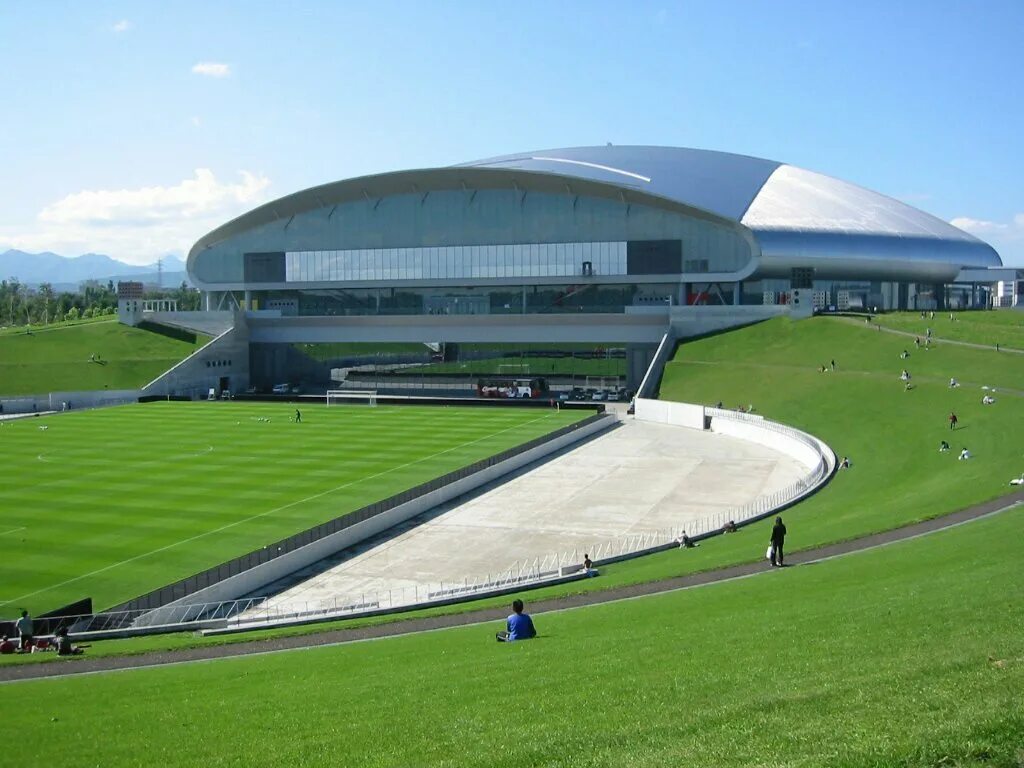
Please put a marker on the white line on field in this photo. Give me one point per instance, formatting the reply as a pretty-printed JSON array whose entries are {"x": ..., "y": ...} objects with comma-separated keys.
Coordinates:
[
  {"x": 269, "y": 512},
  {"x": 13, "y": 530}
]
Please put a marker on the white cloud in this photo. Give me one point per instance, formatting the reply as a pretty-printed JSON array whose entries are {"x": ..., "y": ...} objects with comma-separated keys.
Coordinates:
[
  {"x": 138, "y": 225},
  {"x": 977, "y": 226},
  {"x": 196, "y": 121},
  {"x": 211, "y": 69},
  {"x": 122, "y": 26},
  {"x": 1006, "y": 237}
]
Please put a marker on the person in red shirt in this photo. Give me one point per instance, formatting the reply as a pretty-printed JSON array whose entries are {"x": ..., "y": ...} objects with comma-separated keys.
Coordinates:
[
  {"x": 952, "y": 420},
  {"x": 6, "y": 646}
]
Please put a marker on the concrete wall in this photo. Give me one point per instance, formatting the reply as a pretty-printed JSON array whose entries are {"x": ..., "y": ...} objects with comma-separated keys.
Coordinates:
[
  {"x": 805, "y": 448},
  {"x": 251, "y": 581},
  {"x": 211, "y": 323},
  {"x": 687, "y": 322},
  {"x": 762, "y": 434},
  {"x": 225, "y": 356},
  {"x": 665, "y": 412},
  {"x": 76, "y": 400}
]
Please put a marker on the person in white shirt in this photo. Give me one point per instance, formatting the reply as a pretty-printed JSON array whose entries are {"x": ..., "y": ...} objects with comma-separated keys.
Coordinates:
[
  {"x": 964, "y": 454},
  {"x": 24, "y": 627}
]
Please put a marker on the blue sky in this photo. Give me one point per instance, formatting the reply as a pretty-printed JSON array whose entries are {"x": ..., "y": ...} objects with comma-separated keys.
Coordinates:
[{"x": 133, "y": 128}]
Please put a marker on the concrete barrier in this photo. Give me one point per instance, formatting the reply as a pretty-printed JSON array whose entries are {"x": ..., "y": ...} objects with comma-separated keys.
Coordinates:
[
  {"x": 805, "y": 448},
  {"x": 252, "y": 580},
  {"x": 666, "y": 412}
]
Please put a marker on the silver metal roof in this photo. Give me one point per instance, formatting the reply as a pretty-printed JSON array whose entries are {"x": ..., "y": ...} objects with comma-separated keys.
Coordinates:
[
  {"x": 718, "y": 182},
  {"x": 798, "y": 217}
]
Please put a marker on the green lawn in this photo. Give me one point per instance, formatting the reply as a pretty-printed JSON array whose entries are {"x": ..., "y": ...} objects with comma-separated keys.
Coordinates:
[
  {"x": 909, "y": 655},
  {"x": 1004, "y": 327},
  {"x": 891, "y": 435},
  {"x": 56, "y": 359},
  {"x": 113, "y": 503}
]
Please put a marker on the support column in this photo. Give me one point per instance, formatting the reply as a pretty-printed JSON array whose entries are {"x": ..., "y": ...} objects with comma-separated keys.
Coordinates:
[
  {"x": 737, "y": 293},
  {"x": 247, "y": 302}
]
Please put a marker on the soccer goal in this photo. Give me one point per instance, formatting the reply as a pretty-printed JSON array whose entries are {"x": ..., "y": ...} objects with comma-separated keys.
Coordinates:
[{"x": 356, "y": 396}]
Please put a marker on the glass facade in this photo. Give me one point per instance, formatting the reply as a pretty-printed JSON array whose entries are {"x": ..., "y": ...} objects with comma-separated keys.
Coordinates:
[
  {"x": 424, "y": 235},
  {"x": 455, "y": 262}
]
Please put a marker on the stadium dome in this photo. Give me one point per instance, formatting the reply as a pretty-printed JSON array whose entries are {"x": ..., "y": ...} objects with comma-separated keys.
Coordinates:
[{"x": 638, "y": 212}]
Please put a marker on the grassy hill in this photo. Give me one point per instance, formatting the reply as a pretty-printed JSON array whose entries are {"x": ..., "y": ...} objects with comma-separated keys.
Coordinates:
[
  {"x": 909, "y": 655},
  {"x": 862, "y": 410},
  {"x": 56, "y": 359},
  {"x": 1004, "y": 327}
]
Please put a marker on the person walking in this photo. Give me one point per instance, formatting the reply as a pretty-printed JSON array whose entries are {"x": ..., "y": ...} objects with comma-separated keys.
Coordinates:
[
  {"x": 778, "y": 540},
  {"x": 298, "y": 416},
  {"x": 24, "y": 627},
  {"x": 952, "y": 420}
]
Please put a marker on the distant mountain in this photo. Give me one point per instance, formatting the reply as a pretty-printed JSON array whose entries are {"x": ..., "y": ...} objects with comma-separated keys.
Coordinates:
[{"x": 67, "y": 272}]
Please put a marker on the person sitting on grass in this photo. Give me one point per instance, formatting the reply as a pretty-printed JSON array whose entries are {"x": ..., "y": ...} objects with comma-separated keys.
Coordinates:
[
  {"x": 6, "y": 646},
  {"x": 730, "y": 527},
  {"x": 518, "y": 626},
  {"x": 987, "y": 400},
  {"x": 964, "y": 455},
  {"x": 686, "y": 542},
  {"x": 64, "y": 646},
  {"x": 1015, "y": 481},
  {"x": 943, "y": 446},
  {"x": 588, "y": 564},
  {"x": 845, "y": 463},
  {"x": 953, "y": 383}
]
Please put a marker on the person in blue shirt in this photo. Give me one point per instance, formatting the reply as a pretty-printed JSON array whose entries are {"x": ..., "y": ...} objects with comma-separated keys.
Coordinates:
[{"x": 519, "y": 625}]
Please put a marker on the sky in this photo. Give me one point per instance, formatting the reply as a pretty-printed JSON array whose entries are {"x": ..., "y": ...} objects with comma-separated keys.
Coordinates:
[{"x": 132, "y": 129}]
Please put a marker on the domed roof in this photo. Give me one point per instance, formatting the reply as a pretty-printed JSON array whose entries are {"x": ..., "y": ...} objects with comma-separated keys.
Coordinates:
[{"x": 763, "y": 195}]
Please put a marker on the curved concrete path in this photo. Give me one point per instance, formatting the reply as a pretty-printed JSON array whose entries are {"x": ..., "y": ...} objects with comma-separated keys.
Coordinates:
[{"x": 86, "y": 665}]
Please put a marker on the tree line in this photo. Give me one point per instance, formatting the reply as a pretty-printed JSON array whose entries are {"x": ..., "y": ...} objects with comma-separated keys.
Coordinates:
[{"x": 22, "y": 304}]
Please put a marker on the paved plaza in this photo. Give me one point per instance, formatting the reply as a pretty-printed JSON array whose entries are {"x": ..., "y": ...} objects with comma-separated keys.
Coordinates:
[{"x": 639, "y": 477}]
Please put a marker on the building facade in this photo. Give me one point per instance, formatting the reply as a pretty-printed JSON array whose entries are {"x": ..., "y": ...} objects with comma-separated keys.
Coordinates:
[{"x": 582, "y": 230}]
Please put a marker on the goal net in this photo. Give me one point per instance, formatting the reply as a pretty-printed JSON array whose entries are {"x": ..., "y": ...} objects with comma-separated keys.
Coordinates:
[{"x": 351, "y": 396}]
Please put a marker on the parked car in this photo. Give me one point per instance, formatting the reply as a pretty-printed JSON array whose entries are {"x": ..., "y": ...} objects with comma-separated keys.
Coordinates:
[{"x": 281, "y": 389}]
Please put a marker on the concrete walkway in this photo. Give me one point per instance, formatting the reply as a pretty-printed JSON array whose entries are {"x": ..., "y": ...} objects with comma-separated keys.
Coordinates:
[
  {"x": 85, "y": 665},
  {"x": 640, "y": 477}
]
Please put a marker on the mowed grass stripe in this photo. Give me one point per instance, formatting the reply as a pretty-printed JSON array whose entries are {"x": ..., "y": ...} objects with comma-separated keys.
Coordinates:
[{"x": 109, "y": 499}]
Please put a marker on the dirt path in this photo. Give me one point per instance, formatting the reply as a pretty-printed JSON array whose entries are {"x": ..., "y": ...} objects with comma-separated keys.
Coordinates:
[
  {"x": 336, "y": 636},
  {"x": 935, "y": 339}
]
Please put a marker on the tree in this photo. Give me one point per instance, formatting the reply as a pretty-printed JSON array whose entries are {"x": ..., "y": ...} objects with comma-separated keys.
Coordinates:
[
  {"x": 46, "y": 295},
  {"x": 73, "y": 314}
]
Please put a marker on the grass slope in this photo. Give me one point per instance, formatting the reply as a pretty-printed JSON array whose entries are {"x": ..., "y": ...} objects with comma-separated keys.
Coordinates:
[
  {"x": 1003, "y": 327},
  {"x": 115, "y": 502},
  {"x": 862, "y": 410},
  {"x": 908, "y": 655},
  {"x": 891, "y": 435},
  {"x": 57, "y": 359}
]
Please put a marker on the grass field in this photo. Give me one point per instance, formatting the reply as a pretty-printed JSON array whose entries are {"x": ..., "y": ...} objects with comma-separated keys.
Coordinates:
[
  {"x": 113, "y": 503},
  {"x": 1004, "y": 327},
  {"x": 892, "y": 437},
  {"x": 909, "y": 655},
  {"x": 56, "y": 359}
]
